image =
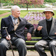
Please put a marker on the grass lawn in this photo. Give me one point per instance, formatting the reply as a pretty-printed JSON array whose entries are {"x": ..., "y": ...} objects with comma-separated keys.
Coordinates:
[{"x": 2, "y": 11}]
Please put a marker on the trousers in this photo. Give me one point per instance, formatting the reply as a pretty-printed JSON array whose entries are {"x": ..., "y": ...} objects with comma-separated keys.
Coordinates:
[
  {"x": 19, "y": 43},
  {"x": 39, "y": 46}
]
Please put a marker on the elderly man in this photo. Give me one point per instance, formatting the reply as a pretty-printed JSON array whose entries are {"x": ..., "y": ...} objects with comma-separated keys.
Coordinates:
[
  {"x": 15, "y": 26},
  {"x": 47, "y": 29}
]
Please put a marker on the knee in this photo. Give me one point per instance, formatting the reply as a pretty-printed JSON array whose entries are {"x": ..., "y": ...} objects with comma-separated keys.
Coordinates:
[
  {"x": 21, "y": 43},
  {"x": 36, "y": 45},
  {"x": 52, "y": 44}
]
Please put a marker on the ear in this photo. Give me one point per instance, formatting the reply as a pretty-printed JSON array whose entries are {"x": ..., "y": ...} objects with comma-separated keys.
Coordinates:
[{"x": 52, "y": 13}]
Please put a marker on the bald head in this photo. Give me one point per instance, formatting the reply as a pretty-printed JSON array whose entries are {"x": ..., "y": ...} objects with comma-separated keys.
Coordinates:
[{"x": 15, "y": 10}]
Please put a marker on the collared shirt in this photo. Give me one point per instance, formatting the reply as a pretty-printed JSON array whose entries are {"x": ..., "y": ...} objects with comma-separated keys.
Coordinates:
[{"x": 15, "y": 20}]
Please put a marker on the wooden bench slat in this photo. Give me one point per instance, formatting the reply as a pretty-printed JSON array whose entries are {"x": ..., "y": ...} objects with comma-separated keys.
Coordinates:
[
  {"x": 30, "y": 43},
  {"x": 34, "y": 39}
]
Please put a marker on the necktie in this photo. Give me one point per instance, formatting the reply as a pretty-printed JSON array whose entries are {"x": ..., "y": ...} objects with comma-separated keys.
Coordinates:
[{"x": 16, "y": 23}]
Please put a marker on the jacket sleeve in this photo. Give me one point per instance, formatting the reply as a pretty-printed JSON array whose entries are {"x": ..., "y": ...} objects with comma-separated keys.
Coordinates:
[
  {"x": 3, "y": 31},
  {"x": 30, "y": 27},
  {"x": 38, "y": 33}
]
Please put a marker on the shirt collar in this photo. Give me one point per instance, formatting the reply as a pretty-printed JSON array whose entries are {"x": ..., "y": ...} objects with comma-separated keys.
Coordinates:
[
  {"x": 12, "y": 16},
  {"x": 49, "y": 19}
]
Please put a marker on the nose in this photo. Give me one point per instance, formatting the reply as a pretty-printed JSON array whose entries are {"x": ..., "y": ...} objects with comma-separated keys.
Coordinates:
[{"x": 19, "y": 12}]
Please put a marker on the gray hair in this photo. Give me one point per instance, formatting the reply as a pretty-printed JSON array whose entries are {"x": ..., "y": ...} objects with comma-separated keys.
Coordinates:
[{"x": 14, "y": 7}]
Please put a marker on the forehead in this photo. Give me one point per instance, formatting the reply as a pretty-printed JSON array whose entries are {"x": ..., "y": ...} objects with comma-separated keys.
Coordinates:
[{"x": 48, "y": 12}]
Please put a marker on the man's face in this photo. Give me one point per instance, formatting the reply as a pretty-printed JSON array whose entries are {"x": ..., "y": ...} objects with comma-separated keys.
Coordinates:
[
  {"x": 16, "y": 13},
  {"x": 48, "y": 14}
]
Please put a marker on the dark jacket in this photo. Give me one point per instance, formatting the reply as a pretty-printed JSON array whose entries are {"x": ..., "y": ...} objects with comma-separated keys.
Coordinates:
[{"x": 7, "y": 22}]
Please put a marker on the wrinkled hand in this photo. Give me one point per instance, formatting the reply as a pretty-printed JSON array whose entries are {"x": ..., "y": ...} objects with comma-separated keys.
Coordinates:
[
  {"x": 8, "y": 37},
  {"x": 39, "y": 28},
  {"x": 28, "y": 36}
]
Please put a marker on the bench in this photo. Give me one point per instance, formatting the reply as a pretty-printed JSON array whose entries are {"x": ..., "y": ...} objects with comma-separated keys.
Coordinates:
[{"x": 29, "y": 44}]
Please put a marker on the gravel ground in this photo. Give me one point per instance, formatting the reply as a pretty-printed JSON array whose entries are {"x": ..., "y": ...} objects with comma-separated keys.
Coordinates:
[{"x": 29, "y": 53}]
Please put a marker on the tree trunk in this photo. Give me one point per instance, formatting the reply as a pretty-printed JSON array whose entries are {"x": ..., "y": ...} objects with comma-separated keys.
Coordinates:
[{"x": 27, "y": 7}]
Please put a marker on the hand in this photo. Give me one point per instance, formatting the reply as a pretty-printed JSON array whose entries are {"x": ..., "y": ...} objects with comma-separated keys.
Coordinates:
[
  {"x": 8, "y": 37},
  {"x": 28, "y": 36},
  {"x": 39, "y": 28},
  {"x": 55, "y": 33}
]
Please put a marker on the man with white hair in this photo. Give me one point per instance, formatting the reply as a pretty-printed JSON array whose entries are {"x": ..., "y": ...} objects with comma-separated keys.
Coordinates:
[
  {"x": 47, "y": 30},
  {"x": 15, "y": 27}
]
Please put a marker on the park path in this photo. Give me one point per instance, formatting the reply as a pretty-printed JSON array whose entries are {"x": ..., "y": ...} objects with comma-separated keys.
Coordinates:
[
  {"x": 29, "y": 53},
  {"x": 1, "y": 15}
]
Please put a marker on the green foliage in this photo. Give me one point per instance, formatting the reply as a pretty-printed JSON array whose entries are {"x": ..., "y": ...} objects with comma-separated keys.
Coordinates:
[
  {"x": 54, "y": 4},
  {"x": 31, "y": 6},
  {"x": 0, "y": 1},
  {"x": 5, "y": 4},
  {"x": 30, "y": 1},
  {"x": 51, "y": 1},
  {"x": 40, "y": 6},
  {"x": 12, "y": 1},
  {"x": 7, "y": 1}
]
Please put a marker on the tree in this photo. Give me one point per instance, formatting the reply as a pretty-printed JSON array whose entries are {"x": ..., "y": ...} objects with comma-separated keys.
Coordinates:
[
  {"x": 29, "y": 2},
  {"x": 0, "y": 3},
  {"x": 50, "y": 1}
]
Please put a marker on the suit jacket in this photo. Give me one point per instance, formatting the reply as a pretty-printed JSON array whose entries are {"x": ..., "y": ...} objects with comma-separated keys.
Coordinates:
[
  {"x": 44, "y": 32},
  {"x": 7, "y": 22}
]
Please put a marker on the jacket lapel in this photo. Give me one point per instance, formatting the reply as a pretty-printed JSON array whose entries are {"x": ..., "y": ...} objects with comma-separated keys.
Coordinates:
[
  {"x": 10, "y": 20},
  {"x": 44, "y": 25},
  {"x": 52, "y": 26}
]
